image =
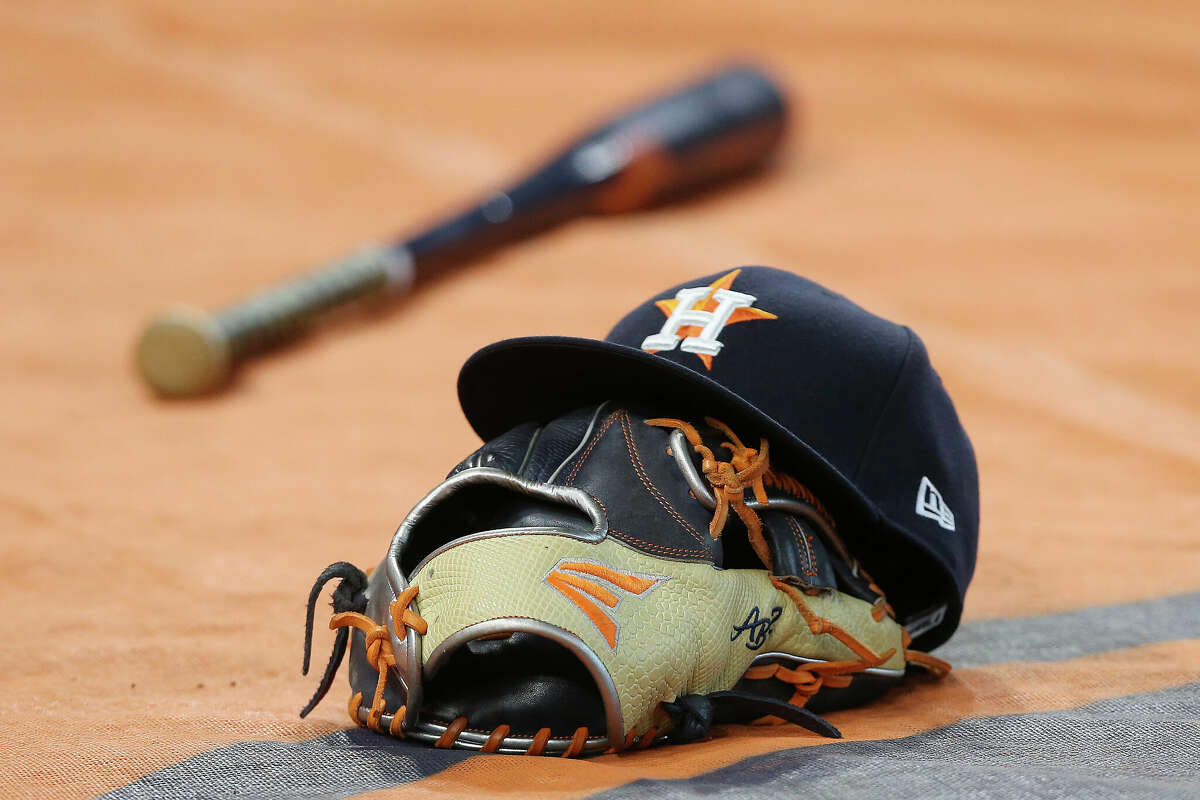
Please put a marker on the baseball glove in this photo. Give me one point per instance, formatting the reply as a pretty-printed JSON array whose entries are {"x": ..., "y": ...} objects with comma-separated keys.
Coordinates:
[{"x": 608, "y": 580}]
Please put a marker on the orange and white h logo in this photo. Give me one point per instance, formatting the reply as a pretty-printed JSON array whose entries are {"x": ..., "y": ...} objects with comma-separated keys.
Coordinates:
[
  {"x": 697, "y": 315},
  {"x": 582, "y": 582}
]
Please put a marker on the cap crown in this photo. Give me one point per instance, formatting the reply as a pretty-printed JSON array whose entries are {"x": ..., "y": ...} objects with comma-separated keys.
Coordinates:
[
  {"x": 849, "y": 402},
  {"x": 857, "y": 389}
]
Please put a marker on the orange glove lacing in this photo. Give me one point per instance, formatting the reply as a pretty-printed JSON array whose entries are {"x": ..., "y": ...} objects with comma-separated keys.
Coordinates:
[
  {"x": 380, "y": 655},
  {"x": 748, "y": 468}
]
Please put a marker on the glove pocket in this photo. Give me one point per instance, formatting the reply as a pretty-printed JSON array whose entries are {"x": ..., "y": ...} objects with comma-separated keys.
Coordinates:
[{"x": 535, "y": 630}]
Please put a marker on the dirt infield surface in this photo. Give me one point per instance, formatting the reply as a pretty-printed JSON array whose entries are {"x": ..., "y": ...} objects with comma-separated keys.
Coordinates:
[{"x": 1018, "y": 183}]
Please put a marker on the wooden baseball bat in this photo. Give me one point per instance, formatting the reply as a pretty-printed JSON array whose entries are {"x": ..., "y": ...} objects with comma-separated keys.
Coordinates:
[{"x": 722, "y": 125}]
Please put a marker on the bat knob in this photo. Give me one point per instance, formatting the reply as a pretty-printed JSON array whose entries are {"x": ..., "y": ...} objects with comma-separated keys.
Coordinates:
[{"x": 183, "y": 352}]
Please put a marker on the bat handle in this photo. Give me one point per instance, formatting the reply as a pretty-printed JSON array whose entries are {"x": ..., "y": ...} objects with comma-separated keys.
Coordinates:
[{"x": 186, "y": 351}]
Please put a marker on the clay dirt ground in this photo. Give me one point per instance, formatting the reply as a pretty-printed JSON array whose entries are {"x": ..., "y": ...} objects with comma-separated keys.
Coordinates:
[{"x": 1018, "y": 182}]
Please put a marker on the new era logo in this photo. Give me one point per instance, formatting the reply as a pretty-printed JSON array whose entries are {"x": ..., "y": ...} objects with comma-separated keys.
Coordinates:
[
  {"x": 931, "y": 505},
  {"x": 587, "y": 585}
]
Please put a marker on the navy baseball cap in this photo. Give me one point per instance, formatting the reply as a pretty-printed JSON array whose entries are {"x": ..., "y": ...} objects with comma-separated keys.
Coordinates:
[{"x": 849, "y": 401}]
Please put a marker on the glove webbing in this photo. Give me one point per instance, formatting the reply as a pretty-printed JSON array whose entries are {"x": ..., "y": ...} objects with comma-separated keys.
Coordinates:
[
  {"x": 748, "y": 468},
  {"x": 730, "y": 480}
]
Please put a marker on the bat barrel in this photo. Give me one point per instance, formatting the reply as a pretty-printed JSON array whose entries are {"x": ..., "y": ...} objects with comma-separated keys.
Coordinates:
[{"x": 721, "y": 125}]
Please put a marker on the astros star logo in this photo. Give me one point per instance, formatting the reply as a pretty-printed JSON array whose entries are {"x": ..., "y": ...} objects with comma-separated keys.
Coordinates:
[{"x": 696, "y": 316}]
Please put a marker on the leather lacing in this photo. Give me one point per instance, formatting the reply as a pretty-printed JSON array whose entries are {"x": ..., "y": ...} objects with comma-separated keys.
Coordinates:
[
  {"x": 381, "y": 657},
  {"x": 749, "y": 468},
  {"x": 746, "y": 469},
  {"x": 498, "y": 734},
  {"x": 806, "y": 681}
]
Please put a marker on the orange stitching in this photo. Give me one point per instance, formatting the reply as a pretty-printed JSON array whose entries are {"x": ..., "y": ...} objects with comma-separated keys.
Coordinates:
[
  {"x": 596, "y": 437},
  {"x": 635, "y": 460},
  {"x": 787, "y": 483},
  {"x": 802, "y": 542},
  {"x": 669, "y": 551}
]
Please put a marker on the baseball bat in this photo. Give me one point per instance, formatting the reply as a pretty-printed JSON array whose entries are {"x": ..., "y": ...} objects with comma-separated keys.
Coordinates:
[{"x": 719, "y": 126}]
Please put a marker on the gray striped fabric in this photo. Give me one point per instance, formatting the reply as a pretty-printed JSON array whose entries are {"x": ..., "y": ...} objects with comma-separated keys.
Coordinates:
[
  {"x": 1139, "y": 746},
  {"x": 1058, "y": 637},
  {"x": 1034, "y": 755},
  {"x": 341, "y": 764}
]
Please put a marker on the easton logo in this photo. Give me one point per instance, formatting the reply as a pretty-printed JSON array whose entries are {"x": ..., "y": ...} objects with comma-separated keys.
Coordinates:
[
  {"x": 931, "y": 505},
  {"x": 586, "y": 584},
  {"x": 757, "y": 628},
  {"x": 697, "y": 315}
]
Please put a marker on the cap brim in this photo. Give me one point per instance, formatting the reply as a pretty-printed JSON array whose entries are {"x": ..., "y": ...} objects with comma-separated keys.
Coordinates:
[{"x": 538, "y": 378}]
